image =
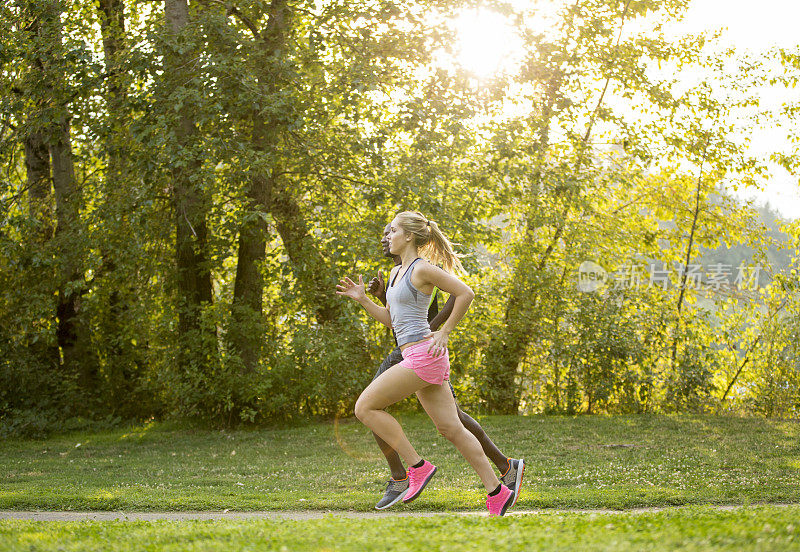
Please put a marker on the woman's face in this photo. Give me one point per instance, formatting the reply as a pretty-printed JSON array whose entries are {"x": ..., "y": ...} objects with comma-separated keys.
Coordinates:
[{"x": 398, "y": 239}]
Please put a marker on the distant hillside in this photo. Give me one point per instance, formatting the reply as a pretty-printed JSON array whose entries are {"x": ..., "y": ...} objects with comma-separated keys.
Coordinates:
[{"x": 777, "y": 259}]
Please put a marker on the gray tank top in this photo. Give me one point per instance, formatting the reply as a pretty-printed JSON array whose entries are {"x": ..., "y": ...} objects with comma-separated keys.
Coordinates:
[{"x": 408, "y": 308}]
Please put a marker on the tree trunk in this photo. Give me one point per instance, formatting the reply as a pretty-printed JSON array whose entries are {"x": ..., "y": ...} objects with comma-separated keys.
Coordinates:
[
  {"x": 72, "y": 333},
  {"x": 37, "y": 167},
  {"x": 246, "y": 333},
  {"x": 196, "y": 344},
  {"x": 271, "y": 193},
  {"x": 310, "y": 268}
]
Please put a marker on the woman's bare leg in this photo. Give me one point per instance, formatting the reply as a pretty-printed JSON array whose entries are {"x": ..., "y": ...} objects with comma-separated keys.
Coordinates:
[
  {"x": 394, "y": 385},
  {"x": 438, "y": 402},
  {"x": 489, "y": 448}
]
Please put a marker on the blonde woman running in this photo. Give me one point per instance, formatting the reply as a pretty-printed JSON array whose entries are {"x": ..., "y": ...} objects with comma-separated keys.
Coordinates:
[{"x": 426, "y": 363}]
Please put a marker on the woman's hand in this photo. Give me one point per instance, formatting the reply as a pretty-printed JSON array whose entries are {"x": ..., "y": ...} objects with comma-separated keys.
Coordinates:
[
  {"x": 349, "y": 288},
  {"x": 438, "y": 344}
]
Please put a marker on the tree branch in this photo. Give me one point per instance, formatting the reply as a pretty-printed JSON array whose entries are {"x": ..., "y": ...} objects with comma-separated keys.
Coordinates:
[
  {"x": 741, "y": 367},
  {"x": 233, "y": 10}
]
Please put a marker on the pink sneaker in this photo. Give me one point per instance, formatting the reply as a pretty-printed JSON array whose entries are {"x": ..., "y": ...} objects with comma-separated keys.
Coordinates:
[
  {"x": 499, "y": 503},
  {"x": 417, "y": 479}
]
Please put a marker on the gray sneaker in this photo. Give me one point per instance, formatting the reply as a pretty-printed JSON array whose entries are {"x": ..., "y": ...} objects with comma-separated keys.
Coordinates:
[
  {"x": 395, "y": 492},
  {"x": 513, "y": 476}
]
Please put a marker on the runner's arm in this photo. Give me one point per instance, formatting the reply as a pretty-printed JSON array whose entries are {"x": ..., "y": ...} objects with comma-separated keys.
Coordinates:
[
  {"x": 456, "y": 288},
  {"x": 377, "y": 287},
  {"x": 381, "y": 314},
  {"x": 443, "y": 314},
  {"x": 358, "y": 293}
]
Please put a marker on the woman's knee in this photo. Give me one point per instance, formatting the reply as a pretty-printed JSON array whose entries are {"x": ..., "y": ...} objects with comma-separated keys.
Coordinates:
[
  {"x": 450, "y": 430},
  {"x": 362, "y": 408}
]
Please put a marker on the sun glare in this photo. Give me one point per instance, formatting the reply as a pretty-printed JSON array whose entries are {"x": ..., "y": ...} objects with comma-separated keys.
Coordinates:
[{"x": 488, "y": 44}]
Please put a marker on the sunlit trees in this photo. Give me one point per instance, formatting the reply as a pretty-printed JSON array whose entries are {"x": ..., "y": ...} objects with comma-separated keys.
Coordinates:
[{"x": 185, "y": 181}]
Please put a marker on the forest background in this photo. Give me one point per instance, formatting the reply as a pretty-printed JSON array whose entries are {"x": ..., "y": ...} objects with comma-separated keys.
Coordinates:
[{"x": 183, "y": 183}]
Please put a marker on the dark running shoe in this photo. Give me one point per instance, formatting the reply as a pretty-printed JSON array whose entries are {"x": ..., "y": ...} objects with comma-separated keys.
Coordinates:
[
  {"x": 513, "y": 476},
  {"x": 395, "y": 492}
]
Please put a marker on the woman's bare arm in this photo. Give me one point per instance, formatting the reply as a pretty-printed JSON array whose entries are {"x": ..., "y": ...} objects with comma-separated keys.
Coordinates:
[
  {"x": 357, "y": 292},
  {"x": 443, "y": 314},
  {"x": 426, "y": 275}
]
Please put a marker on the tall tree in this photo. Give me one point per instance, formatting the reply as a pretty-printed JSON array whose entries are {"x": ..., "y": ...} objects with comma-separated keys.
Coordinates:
[
  {"x": 559, "y": 65},
  {"x": 117, "y": 190},
  {"x": 246, "y": 332},
  {"x": 37, "y": 164},
  {"x": 49, "y": 127},
  {"x": 190, "y": 201}
]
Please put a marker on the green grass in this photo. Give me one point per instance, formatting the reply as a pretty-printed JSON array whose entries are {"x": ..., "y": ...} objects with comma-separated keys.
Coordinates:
[
  {"x": 765, "y": 528},
  {"x": 673, "y": 460}
]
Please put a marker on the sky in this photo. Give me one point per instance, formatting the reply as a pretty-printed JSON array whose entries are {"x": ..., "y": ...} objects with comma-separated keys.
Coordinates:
[
  {"x": 757, "y": 26},
  {"x": 753, "y": 26}
]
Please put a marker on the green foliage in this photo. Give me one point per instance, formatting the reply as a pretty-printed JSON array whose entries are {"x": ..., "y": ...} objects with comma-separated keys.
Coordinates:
[
  {"x": 689, "y": 386},
  {"x": 294, "y": 143}
]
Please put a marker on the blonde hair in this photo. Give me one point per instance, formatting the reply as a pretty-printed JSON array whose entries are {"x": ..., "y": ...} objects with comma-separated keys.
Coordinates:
[{"x": 432, "y": 244}]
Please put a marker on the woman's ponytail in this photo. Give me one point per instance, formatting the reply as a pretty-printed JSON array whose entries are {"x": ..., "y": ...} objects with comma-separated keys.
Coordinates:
[{"x": 432, "y": 243}]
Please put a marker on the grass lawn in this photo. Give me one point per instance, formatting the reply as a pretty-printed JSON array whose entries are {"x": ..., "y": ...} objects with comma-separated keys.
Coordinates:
[
  {"x": 765, "y": 528},
  {"x": 573, "y": 462}
]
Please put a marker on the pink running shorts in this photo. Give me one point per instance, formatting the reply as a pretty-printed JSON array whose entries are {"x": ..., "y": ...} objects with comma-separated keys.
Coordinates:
[{"x": 430, "y": 368}]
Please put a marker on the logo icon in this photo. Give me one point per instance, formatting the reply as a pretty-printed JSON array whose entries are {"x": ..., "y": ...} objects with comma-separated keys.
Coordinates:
[{"x": 591, "y": 276}]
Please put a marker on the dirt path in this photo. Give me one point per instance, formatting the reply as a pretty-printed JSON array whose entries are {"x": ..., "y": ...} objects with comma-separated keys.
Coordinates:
[{"x": 313, "y": 514}]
